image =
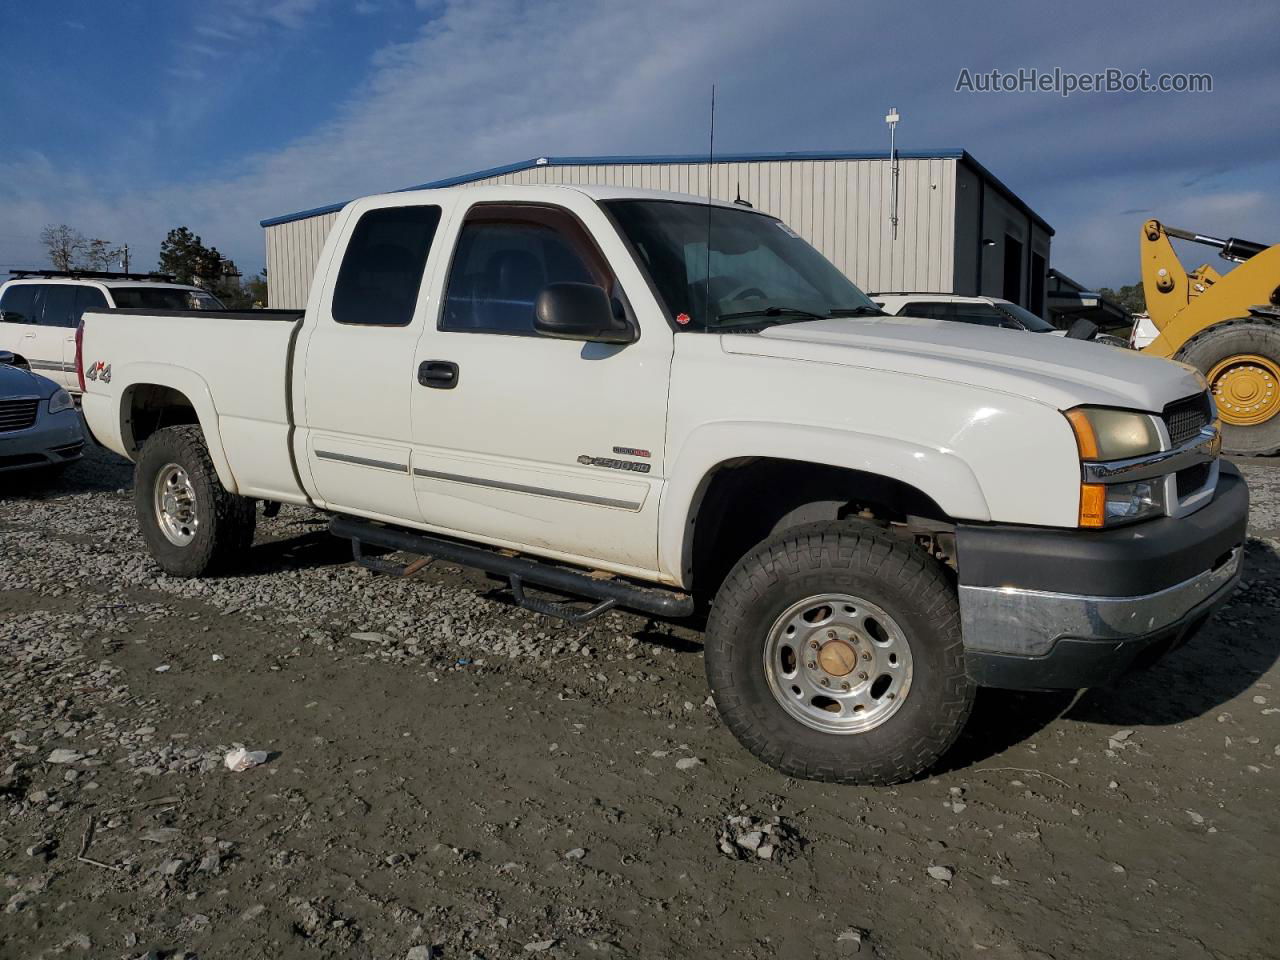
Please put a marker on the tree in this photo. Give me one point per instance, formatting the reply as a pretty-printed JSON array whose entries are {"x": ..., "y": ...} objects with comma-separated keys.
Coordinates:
[
  {"x": 98, "y": 255},
  {"x": 184, "y": 255},
  {"x": 1133, "y": 298},
  {"x": 65, "y": 245}
]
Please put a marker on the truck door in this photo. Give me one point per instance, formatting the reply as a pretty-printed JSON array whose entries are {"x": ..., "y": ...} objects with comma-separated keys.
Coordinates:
[
  {"x": 357, "y": 361},
  {"x": 56, "y": 305},
  {"x": 530, "y": 441}
]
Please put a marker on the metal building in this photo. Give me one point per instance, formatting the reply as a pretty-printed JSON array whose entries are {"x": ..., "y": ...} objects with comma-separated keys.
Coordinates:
[{"x": 959, "y": 230}]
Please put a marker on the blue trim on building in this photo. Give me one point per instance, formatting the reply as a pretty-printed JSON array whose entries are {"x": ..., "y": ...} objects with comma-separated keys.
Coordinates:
[{"x": 945, "y": 153}]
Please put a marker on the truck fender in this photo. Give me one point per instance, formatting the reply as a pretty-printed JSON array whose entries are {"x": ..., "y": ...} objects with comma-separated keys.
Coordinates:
[
  {"x": 192, "y": 386},
  {"x": 938, "y": 473}
]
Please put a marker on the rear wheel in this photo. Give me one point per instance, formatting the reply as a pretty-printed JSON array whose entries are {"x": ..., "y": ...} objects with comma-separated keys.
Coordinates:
[
  {"x": 834, "y": 653},
  {"x": 1241, "y": 361},
  {"x": 191, "y": 524}
]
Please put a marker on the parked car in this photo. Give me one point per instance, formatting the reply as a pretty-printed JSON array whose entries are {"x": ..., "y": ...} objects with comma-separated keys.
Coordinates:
[
  {"x": 39, "y": 312},
  {"x": 649, "y": 401},
  {"x": 39, "y": 426},
  {"x": 984, "y": 311}
]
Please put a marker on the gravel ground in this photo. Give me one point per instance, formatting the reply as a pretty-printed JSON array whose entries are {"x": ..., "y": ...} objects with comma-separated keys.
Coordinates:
[{"x": 448, "y": 776}]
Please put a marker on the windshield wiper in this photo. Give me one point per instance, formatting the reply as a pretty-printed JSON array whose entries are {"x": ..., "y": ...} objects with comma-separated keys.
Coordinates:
[
  {"x": 857, "y": 312},
  {"x": 773, "y": 312}
]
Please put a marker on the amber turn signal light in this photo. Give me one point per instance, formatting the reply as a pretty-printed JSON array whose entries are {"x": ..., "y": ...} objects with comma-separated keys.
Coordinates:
[
  {"x": 1093, "y": 504},
  {"x": 1086, "y": 440}
]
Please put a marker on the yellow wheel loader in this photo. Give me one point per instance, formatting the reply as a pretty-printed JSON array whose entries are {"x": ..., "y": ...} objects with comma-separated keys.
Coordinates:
[{"x": 1226, "y": 326}]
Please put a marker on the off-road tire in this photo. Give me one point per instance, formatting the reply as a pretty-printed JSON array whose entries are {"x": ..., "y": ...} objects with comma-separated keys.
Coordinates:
[
  {"x": 227, "y": 521},
  {"x": 863, "y": 560},
  {"x": 1234, "y": 338}
]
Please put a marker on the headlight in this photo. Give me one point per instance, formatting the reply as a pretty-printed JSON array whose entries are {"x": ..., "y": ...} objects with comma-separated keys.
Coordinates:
[
  {"x": 61, "y": 401},
  {"x": 1105, "y": 434},
  {"x": 1111, "y": 504}
]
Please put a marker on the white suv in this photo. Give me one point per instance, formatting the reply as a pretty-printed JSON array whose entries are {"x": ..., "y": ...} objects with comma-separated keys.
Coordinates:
[
  {"x": 40, "y": 310},
  {"x": 984, "y": 311}
]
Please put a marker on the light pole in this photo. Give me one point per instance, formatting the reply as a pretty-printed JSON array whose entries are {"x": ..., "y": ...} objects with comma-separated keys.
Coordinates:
[{"x": 892, "y": 118}]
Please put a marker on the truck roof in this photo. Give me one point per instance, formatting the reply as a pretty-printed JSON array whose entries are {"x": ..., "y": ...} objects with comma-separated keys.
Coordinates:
[
  {"x": 549, "y": 191},
  {"x": 102, "y": 282}
]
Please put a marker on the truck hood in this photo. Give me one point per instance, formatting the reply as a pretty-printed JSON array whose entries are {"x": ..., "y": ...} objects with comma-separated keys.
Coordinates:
[{"x": 1060, "y": 372}]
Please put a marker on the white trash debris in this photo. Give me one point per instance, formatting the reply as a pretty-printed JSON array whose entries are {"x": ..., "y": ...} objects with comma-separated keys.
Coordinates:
[
  {"x": 242, "y": 759},
  {"x": 163, "y": 668},
  {"x": 217, "y": 657}
]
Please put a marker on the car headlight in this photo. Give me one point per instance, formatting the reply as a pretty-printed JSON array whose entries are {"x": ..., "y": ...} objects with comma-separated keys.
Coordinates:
[
  {"x": 1111, "y": 504},
  {"x": 1106, "y": 434},
  {"x": 61, "y": 401},
  {"x": 1102, "y": 435}
]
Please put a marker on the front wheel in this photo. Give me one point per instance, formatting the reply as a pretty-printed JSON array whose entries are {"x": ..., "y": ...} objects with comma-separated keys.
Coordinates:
[
  {"x": 191, "y": 524},
  {"x": 833, "y": 652}
]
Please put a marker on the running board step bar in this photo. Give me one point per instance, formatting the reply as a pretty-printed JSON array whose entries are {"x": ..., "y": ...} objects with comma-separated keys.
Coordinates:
[{"x": 518, "y": 570}]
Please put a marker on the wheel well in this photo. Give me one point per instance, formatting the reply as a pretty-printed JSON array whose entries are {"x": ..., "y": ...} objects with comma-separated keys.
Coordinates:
[
  {"x": 745, "y": 502},
  {"x": 147, "y": 407},
  {"x": 20, "y": 361}
]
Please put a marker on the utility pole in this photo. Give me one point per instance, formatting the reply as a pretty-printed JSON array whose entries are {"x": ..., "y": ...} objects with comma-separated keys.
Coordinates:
[{"x": 124, "y": 257}]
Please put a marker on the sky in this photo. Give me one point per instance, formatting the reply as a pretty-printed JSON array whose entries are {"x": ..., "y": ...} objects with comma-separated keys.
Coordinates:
[{"x": 128, "y": 118}]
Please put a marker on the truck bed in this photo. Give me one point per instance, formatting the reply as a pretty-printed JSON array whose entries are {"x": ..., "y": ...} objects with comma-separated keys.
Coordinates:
[{"x": 233, "y": 367}]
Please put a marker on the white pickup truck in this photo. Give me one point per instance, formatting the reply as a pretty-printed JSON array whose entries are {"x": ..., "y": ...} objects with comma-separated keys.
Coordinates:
[{"x": 649, "y": 401}]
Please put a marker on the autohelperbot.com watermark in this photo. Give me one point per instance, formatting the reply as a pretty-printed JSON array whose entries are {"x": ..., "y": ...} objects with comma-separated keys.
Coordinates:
[{"x": 1067, "y": 82}]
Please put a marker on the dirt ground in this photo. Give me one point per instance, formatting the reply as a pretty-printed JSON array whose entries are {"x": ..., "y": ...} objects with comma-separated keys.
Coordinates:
[{"x": 452, "y": 777}]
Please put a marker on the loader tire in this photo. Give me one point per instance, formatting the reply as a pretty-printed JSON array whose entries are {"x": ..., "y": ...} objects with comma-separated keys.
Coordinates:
[
  {"x": 1242, "y": 359},
  {"x": 192, "y": 525},
  {"x": 833, "y": 652}
]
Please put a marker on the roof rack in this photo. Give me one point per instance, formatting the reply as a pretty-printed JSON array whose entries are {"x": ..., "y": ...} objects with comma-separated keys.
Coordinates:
[{"x": 93, "y": 275}]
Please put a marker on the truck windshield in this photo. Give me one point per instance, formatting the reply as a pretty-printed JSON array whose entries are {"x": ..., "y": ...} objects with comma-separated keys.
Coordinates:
[
  {"x": 759, "y": 271},
  {"x": 164, "y": 298}
]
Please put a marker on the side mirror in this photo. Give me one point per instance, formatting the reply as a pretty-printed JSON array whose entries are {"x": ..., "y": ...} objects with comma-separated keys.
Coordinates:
[
  {"x": 1082, "y": 329},
  {"x": 579, "y": 311},
  {"x": 6, "y": 358}
]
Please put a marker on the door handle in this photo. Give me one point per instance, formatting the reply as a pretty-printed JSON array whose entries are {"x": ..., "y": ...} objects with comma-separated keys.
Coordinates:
[{"x": 439, "y": 374}]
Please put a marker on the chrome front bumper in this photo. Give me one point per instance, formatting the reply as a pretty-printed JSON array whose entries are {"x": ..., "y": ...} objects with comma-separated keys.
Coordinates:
[{"x": 1029, "y": 623}]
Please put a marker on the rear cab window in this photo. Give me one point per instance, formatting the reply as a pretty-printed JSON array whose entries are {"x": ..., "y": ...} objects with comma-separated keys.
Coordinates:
[
  {"x": 59, "y": 300},
  {"x": 383, "y": 266}
]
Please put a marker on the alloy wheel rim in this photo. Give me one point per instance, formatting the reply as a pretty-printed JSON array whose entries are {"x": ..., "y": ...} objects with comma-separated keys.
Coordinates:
[
  {"x": 838, "y": 663},
  {"x": 176, "y": 507}
]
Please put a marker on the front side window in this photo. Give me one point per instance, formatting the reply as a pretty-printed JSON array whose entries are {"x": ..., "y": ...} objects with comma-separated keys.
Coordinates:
[
  {"x": 505, "y": 255},
  {"x": 382, "y": 268},
  {"x": 162, "y": 298},
  {"x": 18, "y": 305},
  {"x": 720, "y": 267}
]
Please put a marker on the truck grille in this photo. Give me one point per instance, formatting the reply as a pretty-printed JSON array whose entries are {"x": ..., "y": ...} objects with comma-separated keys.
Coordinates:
[
  {"x": 17, "y": 414},
  {"x": 1184, "y": 418},
  {"x": 1192, "y": 479}
]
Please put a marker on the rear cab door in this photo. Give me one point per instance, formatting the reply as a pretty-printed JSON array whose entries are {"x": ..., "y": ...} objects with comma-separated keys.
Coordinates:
[
  {"x": 354, "y": 365},
  {"x": 55, "y": 306}
]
